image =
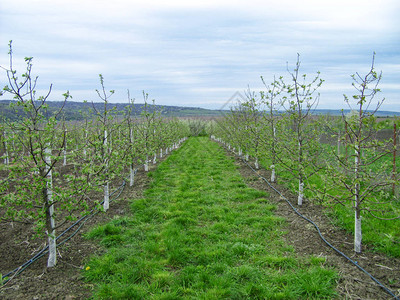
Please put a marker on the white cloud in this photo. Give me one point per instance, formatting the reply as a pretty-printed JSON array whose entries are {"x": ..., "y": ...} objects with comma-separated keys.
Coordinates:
[{"x": 201, "y": 52}]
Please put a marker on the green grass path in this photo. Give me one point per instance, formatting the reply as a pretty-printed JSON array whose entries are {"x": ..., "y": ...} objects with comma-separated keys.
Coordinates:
[{"x": 202, "y": 233}]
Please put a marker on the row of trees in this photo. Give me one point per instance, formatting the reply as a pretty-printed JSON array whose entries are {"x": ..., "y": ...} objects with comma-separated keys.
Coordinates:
[
  {"x": 278, "y": 126},
  {"x": 53, "y": 168}
]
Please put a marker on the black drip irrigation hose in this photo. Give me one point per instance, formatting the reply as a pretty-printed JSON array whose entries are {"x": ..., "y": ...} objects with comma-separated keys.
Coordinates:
[
  {"x": 83, "y": 219},
  {"x": 42, "y": 252},
  {"x": 321, "y": 236}
]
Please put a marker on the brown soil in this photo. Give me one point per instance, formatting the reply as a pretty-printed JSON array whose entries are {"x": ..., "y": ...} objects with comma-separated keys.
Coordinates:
[{"x": 65, "y": 281}]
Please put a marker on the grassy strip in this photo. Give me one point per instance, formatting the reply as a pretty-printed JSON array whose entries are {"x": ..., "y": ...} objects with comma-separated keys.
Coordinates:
[{"x": 202, "y": 233}]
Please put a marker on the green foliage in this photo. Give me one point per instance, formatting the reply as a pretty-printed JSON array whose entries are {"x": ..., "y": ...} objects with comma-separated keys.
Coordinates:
[
  {"x": 25, "y": 191},
  {"x": 197, "y": 127},
  {"x": 358, "y": 173},
  {"x": 54, "y": 168}
]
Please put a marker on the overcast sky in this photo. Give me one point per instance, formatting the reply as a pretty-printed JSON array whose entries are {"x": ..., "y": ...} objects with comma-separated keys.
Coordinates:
[{"x": 199, "y": 53}]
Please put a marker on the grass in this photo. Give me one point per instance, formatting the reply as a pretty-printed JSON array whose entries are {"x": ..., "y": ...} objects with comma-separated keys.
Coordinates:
[{"x": 201, "y": 233}]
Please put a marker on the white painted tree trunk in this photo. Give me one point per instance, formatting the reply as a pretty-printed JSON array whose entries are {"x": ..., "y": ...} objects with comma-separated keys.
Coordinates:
[
  {"x": 13, "y": 147},
  {"x": 65, "y": 157},
  {"x": 155, "y": 159},
  {"x": 357, "y": 218},
  {"x": 161, "y": 153},
  {"x": 65, "y": 150},
  {"x": 256, "y": 165},
  {"x": 106, "y": 203},
  {"x": 146, "y": 164},
  {"x": 247, "y": 157},
  {"x": 240, "y": 151},
  {"x": 51, "y": 232},
  {"x": 131, "y": 176},
  {"x": 84, "y": 149},
  {"x": 105, "y": 139},
  {"x": 273, "y": 177},
  {"x": 6, "y": 156},
  {"x": 357, "y": 234},
  {"x": 301, "y": 195}
]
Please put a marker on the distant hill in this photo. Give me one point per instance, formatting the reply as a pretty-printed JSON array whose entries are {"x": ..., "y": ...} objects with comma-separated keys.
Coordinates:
[
  {"x": 77, "y": 110},
  {"x": 338, "y": 112}
]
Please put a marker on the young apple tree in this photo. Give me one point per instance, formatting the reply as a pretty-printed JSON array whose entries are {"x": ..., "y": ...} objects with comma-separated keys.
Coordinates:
[
  {"x": 30, "y": 195},
  {"x": 299, "y": 143},
  {"x": 255, "y": 128},
  {"x": 104, "y": 159},
  {"x": 269, "y": 98},
  {"x": 364, "y": 174}
]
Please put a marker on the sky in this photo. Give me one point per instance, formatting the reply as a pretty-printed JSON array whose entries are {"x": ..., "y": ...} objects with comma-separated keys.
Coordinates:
[{"x": 200, "y": 53}]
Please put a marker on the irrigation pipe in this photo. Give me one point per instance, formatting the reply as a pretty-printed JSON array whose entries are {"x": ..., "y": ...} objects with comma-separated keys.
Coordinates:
[
  {"x": 316, "y": 227},
  {"x": 321, "y": 236},
  {"x": 42, "y": 252}
]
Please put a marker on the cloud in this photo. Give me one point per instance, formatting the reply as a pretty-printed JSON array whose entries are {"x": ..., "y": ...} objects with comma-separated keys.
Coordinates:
[{"x": 200, "y": 52}]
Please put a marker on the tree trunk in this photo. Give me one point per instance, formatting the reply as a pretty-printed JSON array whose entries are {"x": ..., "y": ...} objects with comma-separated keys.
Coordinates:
[
  {"x": 146, "y": 164},
  {"x": 84, "y": 149},
  {"x": 6, "y": 156},
  {"x": 65, "y": 150},
  {"x": 357, "y": 221},
  {"x": 131, "y": 175},
  {"x": 106, "y": 203},
  {"x": 50, "y": 222},
  {"x": 357, "y": 232},
  {"x": 273, "y": 173},
  {"x": 301, "y": 173},
  {"x": 301, "y": 195},
  {"x": 394, "y": 159},
  {"x": 273, "y": 152}
]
